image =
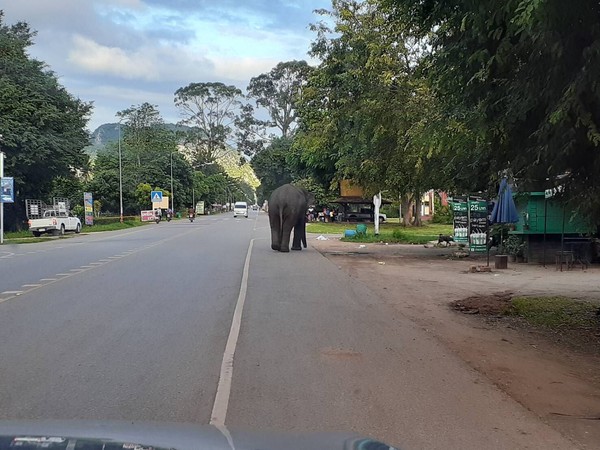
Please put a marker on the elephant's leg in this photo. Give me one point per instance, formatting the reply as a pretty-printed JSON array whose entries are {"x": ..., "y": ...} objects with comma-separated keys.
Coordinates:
[
  {"x": 286, "y": 230},
  {"x": 275, "y": 224},
  {"x": 298, "y": 234}
]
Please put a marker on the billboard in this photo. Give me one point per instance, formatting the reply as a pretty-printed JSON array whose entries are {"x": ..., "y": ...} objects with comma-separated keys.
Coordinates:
[
  {"x": 147, "y": 215},
  {"x": 7, "y": 191},
  {"x": 461, "y": 221},
  {"x": 88, "y": 206},
  {"x": 478, "y": 217}
]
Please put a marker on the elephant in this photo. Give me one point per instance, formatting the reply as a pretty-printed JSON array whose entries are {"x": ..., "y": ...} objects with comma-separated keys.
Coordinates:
[{"x": 287, "y": 210}]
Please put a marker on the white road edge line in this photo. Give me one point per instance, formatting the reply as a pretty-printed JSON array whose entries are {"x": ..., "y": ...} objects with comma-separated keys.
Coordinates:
[{"x": 219, "y": 411}]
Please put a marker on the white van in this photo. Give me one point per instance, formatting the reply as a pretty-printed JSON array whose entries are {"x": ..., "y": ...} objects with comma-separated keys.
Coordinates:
[{"x": 240, "y": 209}]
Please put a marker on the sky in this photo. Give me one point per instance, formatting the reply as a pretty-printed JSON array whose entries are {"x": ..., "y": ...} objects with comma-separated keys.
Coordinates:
[{"x": 119, "y": 53}]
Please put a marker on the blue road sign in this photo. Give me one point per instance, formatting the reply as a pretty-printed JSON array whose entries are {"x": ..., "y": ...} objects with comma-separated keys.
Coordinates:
[{"x": 156, "y": 196}]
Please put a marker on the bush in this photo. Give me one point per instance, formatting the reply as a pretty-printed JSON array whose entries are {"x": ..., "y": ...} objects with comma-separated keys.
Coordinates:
[
  {"x": 398, "y": 234},
  {"x": 390, "y": 210},
  {"x": 443, "y": 215}
]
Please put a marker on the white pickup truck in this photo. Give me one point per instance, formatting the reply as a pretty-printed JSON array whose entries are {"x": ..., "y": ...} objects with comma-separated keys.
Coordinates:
[{"x": 55, "y": 222}]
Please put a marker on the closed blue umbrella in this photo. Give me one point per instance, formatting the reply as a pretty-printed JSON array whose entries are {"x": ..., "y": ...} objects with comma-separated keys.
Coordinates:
[{"x": 504, "y": 210}]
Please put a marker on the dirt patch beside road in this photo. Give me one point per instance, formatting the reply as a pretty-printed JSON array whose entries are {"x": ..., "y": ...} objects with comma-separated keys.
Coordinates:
[{"x": 558, "y": 382}]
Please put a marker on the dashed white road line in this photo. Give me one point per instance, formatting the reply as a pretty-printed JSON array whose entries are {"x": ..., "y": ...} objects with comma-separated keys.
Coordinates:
[{"x": 91, "y": 266}]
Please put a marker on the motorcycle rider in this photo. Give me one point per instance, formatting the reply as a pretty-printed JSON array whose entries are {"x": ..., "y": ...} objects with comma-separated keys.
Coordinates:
[
  {"x": 191, "y": 213},
  {"x": 157, "y": 214}
]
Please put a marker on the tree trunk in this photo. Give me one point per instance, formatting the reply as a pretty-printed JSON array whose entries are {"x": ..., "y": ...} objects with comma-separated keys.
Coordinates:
[
  {"x": 418, "y": 203},
  {"x": 407, "y": 210}
]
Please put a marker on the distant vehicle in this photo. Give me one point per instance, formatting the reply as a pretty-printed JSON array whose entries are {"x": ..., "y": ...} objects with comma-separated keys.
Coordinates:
[
  {"x": 55, "y": 222},
  {"x": 240, "y": 209},
  {"x": 363, "y": 217},
  {"x": 255, "y": 207}
]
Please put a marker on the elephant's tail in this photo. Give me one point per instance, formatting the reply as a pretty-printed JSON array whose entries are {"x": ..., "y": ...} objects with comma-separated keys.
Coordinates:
[{"x": 280, "y": 224}]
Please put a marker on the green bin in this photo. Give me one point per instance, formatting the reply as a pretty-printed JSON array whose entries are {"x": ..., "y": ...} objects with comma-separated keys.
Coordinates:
[{"x": 361, "y": 229}]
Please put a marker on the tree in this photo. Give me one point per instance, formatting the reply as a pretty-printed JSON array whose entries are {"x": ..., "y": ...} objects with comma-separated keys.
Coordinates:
[
  {"x": 251, "y": 133},
  {"x": 142, "y": 123},
  {"x": 366, "y": 108},
  {"x": 271, "y": 167},
  {"x": 148, "y": 150},
  {"x": 521, "y": 77},
  {"x": 211, "y": 109},
  {"x": 278, "y": 92},
  {"x": 42, "y": 125}
]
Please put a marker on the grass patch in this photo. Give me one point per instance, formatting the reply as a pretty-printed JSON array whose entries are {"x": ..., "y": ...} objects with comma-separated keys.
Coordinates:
[
  {"x": 555, "y": 312},
  {"x": 388, "y": 232},
  {"x": 26, "y": 237},
  {"x": 113, "y": 226}
]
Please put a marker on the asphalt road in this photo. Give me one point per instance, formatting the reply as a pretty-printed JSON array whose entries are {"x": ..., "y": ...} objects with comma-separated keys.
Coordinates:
[{"x": 134, "y": 325}]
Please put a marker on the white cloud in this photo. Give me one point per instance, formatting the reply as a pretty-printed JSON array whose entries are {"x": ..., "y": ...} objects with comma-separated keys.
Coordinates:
[
  {"x": 242, "y": 69},
  {"x": 149, "y": 63}
]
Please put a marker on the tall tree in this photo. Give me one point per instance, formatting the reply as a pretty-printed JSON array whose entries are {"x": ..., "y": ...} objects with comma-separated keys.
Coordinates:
[
  {"x": 522, "y": 77},
  {"x": 278, "y": 92},
  {"x": 211, "y": 109},
  {"x": 366, "y": 106},
  {"x": 42, "y": 125}
]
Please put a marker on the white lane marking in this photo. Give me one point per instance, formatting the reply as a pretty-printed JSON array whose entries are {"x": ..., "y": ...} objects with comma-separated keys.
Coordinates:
[
  {"x": 95, "y": 264},
  {"x": 30, "y": 285},
  {"x": 63, "y": 274},
  {"x": 86, "y": 267},
  {"x": 219, "y": 411},
  {"x": 74, "y": 272},
  {"x": 11, "y": 293},
  {"x": 104, "y": 260}
]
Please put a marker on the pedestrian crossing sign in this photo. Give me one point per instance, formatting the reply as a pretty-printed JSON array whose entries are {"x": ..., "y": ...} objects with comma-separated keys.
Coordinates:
[{"x": 156, "y": 196}]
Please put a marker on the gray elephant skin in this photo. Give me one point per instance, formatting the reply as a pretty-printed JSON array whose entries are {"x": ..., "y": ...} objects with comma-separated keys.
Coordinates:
[{"x": 287, "y": 210}]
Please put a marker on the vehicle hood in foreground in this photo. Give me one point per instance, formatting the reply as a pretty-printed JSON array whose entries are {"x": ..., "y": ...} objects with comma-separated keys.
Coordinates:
[{"x": 84, "y": 435}]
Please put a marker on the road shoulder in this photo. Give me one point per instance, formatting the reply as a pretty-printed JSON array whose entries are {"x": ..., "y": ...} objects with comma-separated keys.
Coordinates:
[{"x": 559, "y": 385}]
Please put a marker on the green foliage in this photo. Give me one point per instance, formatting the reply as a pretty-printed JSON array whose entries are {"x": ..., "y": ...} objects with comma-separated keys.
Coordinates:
[
  {"x": 555, "y": 312},
  {"x": 148, "y": 153},
  {"x": 278, "y": 92},
  {"x": 42, "y": 125},
  {"x": 513, "y": 245},
  {"x": 391, "y": 211},
  {"x": 142, "y": 196},
  {"x": 521, "y": 78},
  {"x": 443, "y": 214},
  {"x": 367, "y": 113},
  {"x": 271, "y": 167},
  {"x": 79, "y": 211},
  {"x": 104, "y": 220},
  {"x": 211, "y": 109}
]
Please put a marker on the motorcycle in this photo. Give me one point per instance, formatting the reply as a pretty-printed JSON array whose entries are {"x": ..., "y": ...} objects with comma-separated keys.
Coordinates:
[
  {"x": 157, "y": 219},
  {"x": 191, "y": 217},
  {"x": 168, "y": 217}
]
